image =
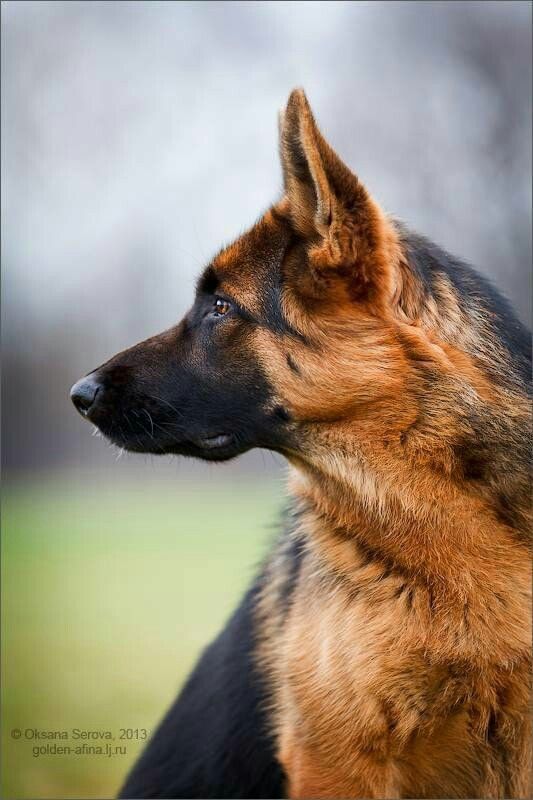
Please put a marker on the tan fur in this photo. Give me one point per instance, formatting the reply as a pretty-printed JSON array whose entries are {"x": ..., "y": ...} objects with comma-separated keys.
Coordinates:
[
  {"x": 403, "y": 673},
  {"x": 402, "y": 666}
]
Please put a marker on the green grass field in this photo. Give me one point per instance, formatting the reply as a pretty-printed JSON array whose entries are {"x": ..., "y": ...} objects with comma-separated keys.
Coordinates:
[{"x": 109, "y": 593}]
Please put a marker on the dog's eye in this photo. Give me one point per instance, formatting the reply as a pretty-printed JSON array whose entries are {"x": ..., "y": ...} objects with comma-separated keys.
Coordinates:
[{"x": 221, "y": 307}]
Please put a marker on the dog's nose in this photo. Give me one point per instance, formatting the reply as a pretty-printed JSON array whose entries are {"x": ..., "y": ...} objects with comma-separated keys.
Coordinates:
[{"x": 83, "y": 394}]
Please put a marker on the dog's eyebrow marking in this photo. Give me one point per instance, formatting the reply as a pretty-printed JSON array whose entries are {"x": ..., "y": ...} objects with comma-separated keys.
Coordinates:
[
  {"x": 278, "y": 325},
  {"x": 208, "y": 281},
  {"x": 237, "y": 305}
]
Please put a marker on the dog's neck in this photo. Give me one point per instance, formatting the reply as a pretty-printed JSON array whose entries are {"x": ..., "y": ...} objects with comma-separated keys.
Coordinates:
[{"x": 421, "y": 529}]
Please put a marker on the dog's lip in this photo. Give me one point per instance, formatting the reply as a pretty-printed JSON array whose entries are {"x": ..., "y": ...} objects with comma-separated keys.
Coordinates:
[{"x": 216, "y": 441}]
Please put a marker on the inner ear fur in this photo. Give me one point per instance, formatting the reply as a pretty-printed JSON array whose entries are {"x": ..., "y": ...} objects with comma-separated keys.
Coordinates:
[{"x": 348, "y": 234}]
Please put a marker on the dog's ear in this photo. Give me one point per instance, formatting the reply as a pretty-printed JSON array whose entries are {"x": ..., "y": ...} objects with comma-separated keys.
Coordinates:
[{"x": 348, "y": 234}]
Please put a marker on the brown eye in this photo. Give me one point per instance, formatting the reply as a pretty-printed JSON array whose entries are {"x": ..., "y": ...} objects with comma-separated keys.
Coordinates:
[{"x": 221, "y": 307}]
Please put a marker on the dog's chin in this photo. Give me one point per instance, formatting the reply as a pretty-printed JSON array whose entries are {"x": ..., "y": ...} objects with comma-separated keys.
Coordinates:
[{"x": 219, "y": 447}]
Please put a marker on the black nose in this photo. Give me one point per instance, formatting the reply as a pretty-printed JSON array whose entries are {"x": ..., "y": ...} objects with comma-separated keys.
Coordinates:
[{"x": 83, "y": 394}]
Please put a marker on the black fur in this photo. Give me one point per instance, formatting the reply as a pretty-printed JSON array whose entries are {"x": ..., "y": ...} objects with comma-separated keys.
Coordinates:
[{"x": 473, "y": 291}]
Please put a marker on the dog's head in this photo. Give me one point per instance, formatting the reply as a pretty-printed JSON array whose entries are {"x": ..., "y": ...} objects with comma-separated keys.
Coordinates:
[
  {"x": 309, "y": 332},
  {"x": 283, "y": 321}
]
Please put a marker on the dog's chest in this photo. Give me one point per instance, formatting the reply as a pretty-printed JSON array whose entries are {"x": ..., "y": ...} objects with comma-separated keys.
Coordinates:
[
  {"x": 353, "y": 693},
  {"x": 352, "y": 656}
]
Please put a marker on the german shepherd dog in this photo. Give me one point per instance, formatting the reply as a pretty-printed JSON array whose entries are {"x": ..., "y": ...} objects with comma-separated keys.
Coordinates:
[{"x": 384, "y": 649}]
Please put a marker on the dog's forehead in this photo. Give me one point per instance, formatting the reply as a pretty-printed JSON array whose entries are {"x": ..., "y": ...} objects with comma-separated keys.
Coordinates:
[{"x": 252, "y": 262}]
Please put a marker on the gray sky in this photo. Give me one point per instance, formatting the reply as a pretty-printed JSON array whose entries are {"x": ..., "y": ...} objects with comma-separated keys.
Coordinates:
[{"x": 137, "y": 138}]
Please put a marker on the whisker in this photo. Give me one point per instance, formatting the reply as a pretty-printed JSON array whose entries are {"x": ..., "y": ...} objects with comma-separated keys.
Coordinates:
[
  {"x": 131, "y": 428},
  {"x": 160, "y": 426},
  {"x": 163, "y": 425},
  {"x": 128, "y": 420},
  {"x": 161, "y": 400},
  {"x": 151, "y": 420},
  {"x": 151, "y": 435}
]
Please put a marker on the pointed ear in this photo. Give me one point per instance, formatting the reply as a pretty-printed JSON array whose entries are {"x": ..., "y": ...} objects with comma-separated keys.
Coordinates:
[
  {"x": 328, "y": 205},
  {"x": 305, "y": 180}
]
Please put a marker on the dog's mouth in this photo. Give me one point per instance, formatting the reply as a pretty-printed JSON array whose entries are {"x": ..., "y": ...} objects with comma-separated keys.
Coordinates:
[
  {"x": 213, "y": 447},
  {"x": 216, "y": 442},
  {"x": 216, "y": 447},
  {"x": 209, "y": 446}
]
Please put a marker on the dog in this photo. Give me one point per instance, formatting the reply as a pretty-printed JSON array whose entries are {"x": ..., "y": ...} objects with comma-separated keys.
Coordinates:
[{"x": 384, "y": 650}]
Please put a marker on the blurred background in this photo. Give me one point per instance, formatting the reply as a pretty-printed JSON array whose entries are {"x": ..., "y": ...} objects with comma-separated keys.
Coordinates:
[{"x": 137, "y": 138}]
